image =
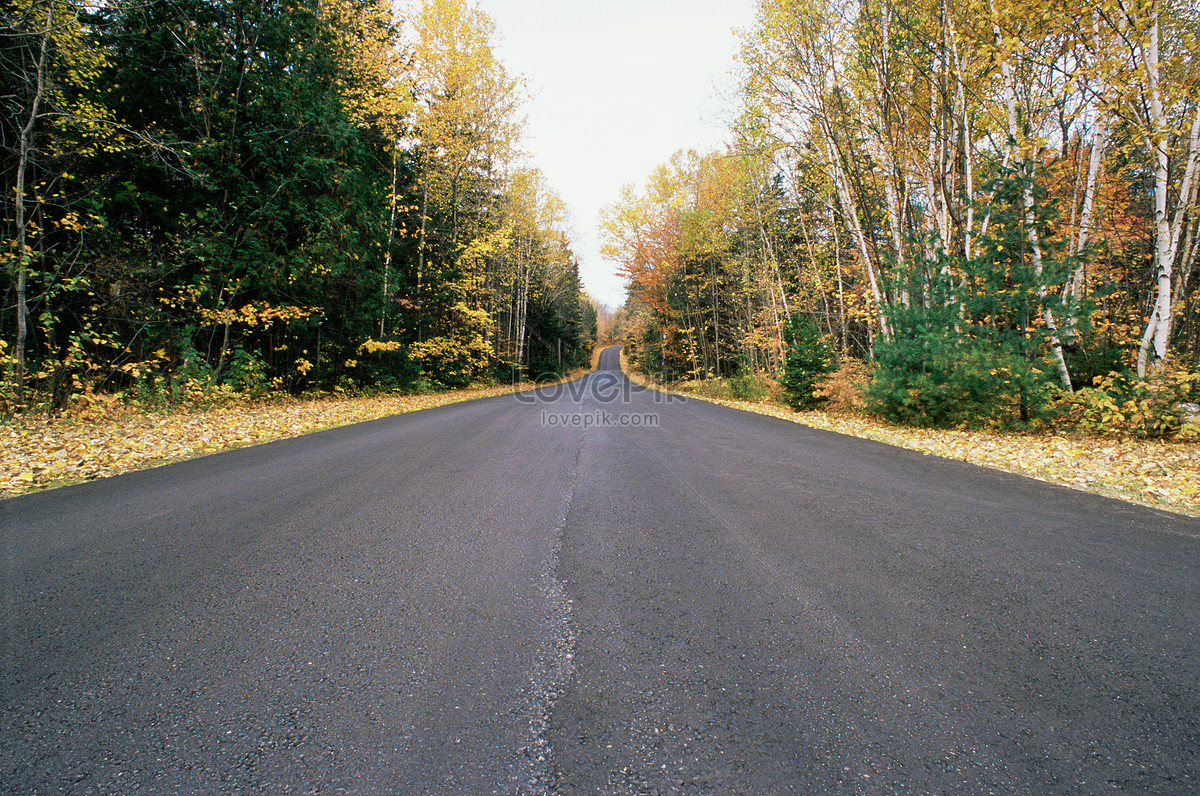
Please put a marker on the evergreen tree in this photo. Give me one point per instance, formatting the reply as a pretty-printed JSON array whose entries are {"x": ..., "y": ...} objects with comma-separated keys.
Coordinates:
[
  {"x": 809, "y": 359},
  {"x": 972, "y": 347}
]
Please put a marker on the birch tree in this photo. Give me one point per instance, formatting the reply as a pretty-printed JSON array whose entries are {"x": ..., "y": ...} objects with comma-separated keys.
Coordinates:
[
  {"x": 1160, "y": 94},
  {"x": 796, "y": 63}
]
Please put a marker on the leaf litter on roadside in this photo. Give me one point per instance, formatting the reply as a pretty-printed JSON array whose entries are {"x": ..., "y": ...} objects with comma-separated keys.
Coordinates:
[{"x": 41, "y": 452}]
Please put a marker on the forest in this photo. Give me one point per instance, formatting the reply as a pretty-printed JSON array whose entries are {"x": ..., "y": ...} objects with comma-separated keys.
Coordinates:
[
  {"x": 974, "y": 214},
  {"x": 271, "y": 196}
]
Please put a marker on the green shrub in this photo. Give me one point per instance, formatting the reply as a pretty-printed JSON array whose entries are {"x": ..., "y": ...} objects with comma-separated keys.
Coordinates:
[
  {"x": 747, "y": 385},
  {"x": 943, "y": 378},
  {"x": 809, "y": 359},
  {"x": 969, "y": 343},
  {"x": 247, "y": 374}
]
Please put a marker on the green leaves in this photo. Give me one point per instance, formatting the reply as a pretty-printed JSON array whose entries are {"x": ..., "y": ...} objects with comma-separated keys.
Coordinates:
[
  {"x": 972, "y": 347},
  {"x": 809, "y": 360}
]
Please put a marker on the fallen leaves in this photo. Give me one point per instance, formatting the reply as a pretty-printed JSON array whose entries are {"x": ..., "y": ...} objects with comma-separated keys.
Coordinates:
[{"x": 41, "y": 452}]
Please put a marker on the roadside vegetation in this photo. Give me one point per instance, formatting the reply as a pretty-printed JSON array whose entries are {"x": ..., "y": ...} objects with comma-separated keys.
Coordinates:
[
  {"x": 225, "y": 223},
  {"x": 970, "y": 228},
  {"x": 104, "y": 435},
  {"x": 974, "y": 225},
  {"x": 270, "y": 199}
]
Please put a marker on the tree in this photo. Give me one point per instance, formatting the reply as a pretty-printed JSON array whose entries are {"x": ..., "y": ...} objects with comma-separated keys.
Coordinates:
[
  {"x": 809, "y": 359},
  {"x": 48, "y": 62},
  {"x": 466, "y": 127},
  {"x": 975, "y": 351}
]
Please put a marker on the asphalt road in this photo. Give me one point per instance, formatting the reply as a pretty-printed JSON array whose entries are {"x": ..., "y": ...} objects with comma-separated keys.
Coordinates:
[{"x": 597, "y": 590}]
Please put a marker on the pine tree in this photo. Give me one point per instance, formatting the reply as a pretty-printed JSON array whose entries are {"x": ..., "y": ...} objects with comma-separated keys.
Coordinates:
[{"x": 809, "y": 359}]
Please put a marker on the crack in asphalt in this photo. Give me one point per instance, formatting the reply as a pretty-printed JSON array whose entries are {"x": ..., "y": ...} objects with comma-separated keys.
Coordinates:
[{"x": 533, "y": 772}]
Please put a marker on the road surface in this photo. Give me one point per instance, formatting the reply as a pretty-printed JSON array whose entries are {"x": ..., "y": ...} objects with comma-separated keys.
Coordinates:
[{"x": 594, "y": 590}]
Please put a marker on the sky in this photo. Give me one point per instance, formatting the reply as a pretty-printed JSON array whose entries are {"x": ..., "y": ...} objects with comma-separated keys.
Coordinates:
[{"x": 617, "y": 87}]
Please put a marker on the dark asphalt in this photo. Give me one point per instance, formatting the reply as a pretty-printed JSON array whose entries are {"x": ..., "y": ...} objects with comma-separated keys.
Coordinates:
[{"x": 597, "y": 590}]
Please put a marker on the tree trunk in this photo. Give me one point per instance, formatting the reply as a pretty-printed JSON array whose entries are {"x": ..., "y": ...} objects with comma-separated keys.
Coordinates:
[
  {"x": 1028, "y": 164},
  {"x": 387, "y": 255},
  {"x": 1188, "y": 263},
  {"x": 421, "y": 255},
  {"x": 24, "y": 163},
  {"x": 1158, "y": 328},
  {"x": 1035, "y": 244},
  {"x": 716, "y": 322},
  {"x": 850, "y": 213},
  {"x": 1099, "y": 146}
]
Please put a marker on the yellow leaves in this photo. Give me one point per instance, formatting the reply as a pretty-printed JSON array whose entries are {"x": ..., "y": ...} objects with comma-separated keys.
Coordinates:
[
  {"x": 375, "y": 346},
  {"x": 255, "y": 315},
  {"x": 1158, "y": 407},
  {"x": 72, "y": 222},
  {"x": 39, "y": 453},
  {"x": 488, "y": 245},
  {"x": 467, "y": 103},
  {"x": 374, "y": 84}
]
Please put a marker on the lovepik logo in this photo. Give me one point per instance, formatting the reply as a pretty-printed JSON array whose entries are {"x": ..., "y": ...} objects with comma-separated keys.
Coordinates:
[{"x": 604, "y": 388}]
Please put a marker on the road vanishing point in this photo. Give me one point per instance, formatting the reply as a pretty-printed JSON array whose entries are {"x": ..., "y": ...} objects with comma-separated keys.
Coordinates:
[{"x": 594, "y": 589}]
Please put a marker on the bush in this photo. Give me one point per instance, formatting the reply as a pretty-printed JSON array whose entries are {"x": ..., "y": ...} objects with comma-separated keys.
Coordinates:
[
  {"x": 247, "y": 374},
  {"x": 809, "y": 359},
  {"x": 747, "y": 385},
  {"x": 971, "y": 346},
  {"x": 945, "y": 379},
  {"x": 1122, "y": 404},
  {"x": 1095, "y": 361},
  {"x": 842, "y": 390}
]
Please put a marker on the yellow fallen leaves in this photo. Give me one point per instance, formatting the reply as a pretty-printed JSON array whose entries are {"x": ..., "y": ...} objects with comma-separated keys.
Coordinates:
[
  {"x": 1157, "y": 474},
  {"x": 39, "y": 453}
]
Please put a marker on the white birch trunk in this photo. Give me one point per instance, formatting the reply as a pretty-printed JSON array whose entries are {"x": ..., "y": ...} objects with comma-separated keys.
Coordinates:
[
  {"x": 387, "y": 255},
  {"x": 1099, "y": 147},
  {"x": 968, "y": 176},
  {"x": 1036, "y": 248},
  {"x": 1188, "y": 263},
  {"x": 885, "y": 152},
  {"x": 1159, "y": 326},
  {"x": 850, "y": 212},
  {"x": 24, "y": 162}
]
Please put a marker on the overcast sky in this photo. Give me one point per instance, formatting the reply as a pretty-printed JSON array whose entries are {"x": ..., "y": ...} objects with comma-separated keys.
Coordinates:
[{"x": 618, "y": 86}]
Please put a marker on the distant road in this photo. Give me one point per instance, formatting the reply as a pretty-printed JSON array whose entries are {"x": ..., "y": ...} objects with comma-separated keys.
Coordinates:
[{"x": 594, "y": 590}]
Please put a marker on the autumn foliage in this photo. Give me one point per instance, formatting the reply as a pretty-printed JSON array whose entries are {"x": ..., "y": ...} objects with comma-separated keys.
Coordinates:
[
  {"x": 991, "y": 204},
  {"x": 270, "y": 197}
]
